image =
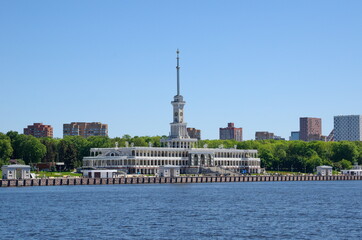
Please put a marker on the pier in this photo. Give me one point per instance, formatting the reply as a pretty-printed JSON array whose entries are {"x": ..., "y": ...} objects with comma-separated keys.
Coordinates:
[{"x": 163, "y": 180}]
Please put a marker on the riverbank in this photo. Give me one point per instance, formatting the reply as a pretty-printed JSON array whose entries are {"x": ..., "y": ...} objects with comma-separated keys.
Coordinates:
[{"x": 160, "y": 180}]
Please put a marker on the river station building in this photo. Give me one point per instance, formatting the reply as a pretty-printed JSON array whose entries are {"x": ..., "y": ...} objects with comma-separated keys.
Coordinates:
[{"x": 177, "y": 150}]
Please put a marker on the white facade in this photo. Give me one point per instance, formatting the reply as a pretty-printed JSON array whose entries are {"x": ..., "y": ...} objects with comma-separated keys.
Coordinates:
[
  {"x": 16, "y": 171},
  {"x": 324, "y": 170},
  {"x": 107, "y": 173},
  {"x": 169, "y": 171},
  {"x": 348, "y": 128},
  {"x": 355, "y": 171},
  {"x": 178, "y": 150},
  {"x": 147, "y": 160}
]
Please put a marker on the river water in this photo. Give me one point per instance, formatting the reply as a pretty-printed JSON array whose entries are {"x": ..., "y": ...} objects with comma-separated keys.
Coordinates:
[{"x": 244, "y": 210}]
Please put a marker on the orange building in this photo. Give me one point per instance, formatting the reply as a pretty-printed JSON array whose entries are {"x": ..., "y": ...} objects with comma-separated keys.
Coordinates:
[{"x": 39, "y": 130}]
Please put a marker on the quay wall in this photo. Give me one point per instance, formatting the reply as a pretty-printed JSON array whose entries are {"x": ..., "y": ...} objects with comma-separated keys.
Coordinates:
[{"x": 153, "y": 180}]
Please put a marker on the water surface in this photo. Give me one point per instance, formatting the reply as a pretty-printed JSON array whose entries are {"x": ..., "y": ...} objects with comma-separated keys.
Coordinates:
[{"x": 244, "y": 210}]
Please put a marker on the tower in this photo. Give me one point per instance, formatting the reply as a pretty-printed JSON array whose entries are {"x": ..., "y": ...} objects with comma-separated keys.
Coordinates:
[{"x": 179, "y": 137}]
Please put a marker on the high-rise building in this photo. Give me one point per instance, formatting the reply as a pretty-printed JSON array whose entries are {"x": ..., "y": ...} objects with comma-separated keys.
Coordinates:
[
  {"x": 194, "y": 133},
  {"x": 294, "y": 136},
  {"x": 264, "y": 135},
  {"x": 85, "y": 129},
  {"x": 231, "y": 132},
  {"x": 348, "y": 128},
  {"x": 310, "y": 129},
  {"x": 39, "y": 130}
]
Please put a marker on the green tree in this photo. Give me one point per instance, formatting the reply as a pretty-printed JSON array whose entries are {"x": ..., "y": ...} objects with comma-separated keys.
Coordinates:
[
  {"x": 127, "y": 137},
  {"x": 99, "y": 142},
  {"x": 51, "y": 154},
  {"x": 28, "y": 148},
  {"x": 5, "y": 151},
  {"x": 12, "y": 135},
  {"x": 139, "y": 142},
  {"x": 345, "y": 164},
  {"x": 344, "y": 150},
  {"x": 68, "y": 154},
  {"x": 83, "y": 145}
]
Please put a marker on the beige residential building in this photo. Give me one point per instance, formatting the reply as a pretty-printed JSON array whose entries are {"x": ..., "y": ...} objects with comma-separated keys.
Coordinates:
[{"x": 85, "y": 129}]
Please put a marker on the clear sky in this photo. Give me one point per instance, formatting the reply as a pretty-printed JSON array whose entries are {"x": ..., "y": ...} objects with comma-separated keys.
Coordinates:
[{"x": 259, "y": 64}]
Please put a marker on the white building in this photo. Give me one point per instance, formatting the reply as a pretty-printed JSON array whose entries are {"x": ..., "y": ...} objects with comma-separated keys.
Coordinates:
[
  {"x": 178, "y": 150},
  {"x": 355, "y": 171},
  {"x": 100, "y": 173},
  {"x": 324, "y": 170},
  {"x": 169, "y": 171},
  {"x": 348, "y": 128},
  {"x": 16, "y": 171}
]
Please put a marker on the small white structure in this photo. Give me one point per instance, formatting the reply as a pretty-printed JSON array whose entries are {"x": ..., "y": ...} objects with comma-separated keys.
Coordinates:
[
  {"x": 16, "y": 171},
  {"x": 355, "y": 171},
  {"x": 324, "y": 170},
  {"x": 97, "y": 173},
  {"x": 169, "y": 171}
]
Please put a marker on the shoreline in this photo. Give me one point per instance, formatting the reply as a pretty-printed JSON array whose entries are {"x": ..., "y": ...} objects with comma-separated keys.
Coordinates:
[{"x": 161, "y": 180}]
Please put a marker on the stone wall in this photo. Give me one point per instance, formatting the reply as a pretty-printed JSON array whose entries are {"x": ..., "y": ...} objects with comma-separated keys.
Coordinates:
[{"x": 148, "y": 180}]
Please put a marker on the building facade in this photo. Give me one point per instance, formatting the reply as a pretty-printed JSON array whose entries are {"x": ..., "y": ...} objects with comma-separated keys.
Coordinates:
[
  {"x": 264, "y": 135},
  {"x": 355, "y": 171},
  {"x": 348, "y": 128},
  {"x": 294, "y": 136},
  {"x": 39, "y": 130},
  {"x": 85, "y": 129},
  {"x": 231, "y": 132},
  {"x": 177, "y": 151},
  {"x": 310, "y": 129},
  {"x": 324, "y": 170},
  {"x": 16, "y": 171},
  {"x": 194, "y": 133}
]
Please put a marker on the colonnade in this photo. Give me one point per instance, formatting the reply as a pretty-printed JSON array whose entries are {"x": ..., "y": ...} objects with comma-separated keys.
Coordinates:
[
  {"x": 158, "y": 153},
  {"x": 236, "y": 154},
  {"x": 133, "y": 162},
  {"x": 149, "y": 158}
]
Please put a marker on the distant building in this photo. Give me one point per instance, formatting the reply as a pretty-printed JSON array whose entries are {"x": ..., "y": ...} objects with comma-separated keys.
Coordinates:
[
  {"x": 100, "y": 173},
  {"x": 330, "y": 137},
  {"x": 324, "y": 170},
  {"x": 348, "y": 128},
  {"x": 231, "y": 132},
  {"x": 264, "y": 135},
  {"x": 278, "y": 138},
  {"x": 85, "y": 129},
  {"x": 194, "y": 133},
  {"x": 294, "y": 136},
  {"x": 169, "y": 171},
  {"x": 39, "y": 130},
  {"x": 310, "y": 129},
  {"x": 16, "y": 171},
  {"x": 355, "y": 171}
]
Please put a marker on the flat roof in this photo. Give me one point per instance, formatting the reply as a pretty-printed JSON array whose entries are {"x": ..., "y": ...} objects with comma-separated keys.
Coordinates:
[{"x": 16, "y": 166}]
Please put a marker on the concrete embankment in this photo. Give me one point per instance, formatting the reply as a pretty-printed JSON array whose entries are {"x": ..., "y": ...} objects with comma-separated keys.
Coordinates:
[{"x": 150, "y": 180}]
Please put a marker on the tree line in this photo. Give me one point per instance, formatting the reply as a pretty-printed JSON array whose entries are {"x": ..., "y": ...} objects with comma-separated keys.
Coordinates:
[
  {"x": 277, "y": 155},
  {"x": 28, "y": 149}
]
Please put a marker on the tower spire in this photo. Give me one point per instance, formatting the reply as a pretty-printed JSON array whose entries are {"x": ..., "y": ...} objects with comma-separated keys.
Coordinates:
[{"x": 178, "y": 73}]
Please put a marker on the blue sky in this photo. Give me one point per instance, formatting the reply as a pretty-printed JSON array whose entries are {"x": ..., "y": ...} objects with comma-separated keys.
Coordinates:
[{"x": 259, "y": 64}]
